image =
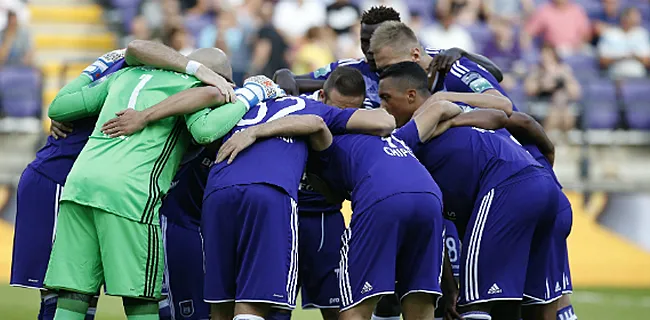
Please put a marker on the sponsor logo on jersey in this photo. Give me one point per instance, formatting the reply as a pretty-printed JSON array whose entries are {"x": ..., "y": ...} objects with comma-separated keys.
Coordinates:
[
  {"x": 469, "y": 77},
  {"x": 320, "y": 72},
  {"x": 480, "y": 85}
]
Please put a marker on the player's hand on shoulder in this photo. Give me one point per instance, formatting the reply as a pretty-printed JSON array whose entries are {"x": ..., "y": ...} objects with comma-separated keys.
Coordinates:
[
  {"x": 127, "y": 122},
  {"x": 443, "y": 61},
  {"x": 239, "y": 141},
  {"x": 96, "y": 69},
  {"x": 286, "y": 81},
  {"x": 211, "y": 78},
  {"x": 59, "y": 129}
]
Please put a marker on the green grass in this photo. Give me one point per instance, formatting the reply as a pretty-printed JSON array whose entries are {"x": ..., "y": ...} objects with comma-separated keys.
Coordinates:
[{"x": 590, "y": 304}]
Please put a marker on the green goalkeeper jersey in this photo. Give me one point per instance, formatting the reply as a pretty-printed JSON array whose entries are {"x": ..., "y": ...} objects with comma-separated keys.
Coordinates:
[{"x": 129, "y": 176}]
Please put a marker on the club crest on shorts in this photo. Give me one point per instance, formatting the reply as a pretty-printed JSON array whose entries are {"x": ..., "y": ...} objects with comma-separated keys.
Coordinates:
[{"x": 186, "y": 308}]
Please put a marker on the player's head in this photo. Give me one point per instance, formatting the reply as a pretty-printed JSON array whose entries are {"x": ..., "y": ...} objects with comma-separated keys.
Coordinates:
[
  {"x": 215, "y": 59},
  {"x": 371, "y": 19},
  {"x": 394, "y": 42},
  {"x": 344, "y": 88},
  {"x": 402, "y": 89}
]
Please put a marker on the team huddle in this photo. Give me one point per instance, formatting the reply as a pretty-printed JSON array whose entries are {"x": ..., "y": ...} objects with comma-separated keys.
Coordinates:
[{"x": 193, "y": 200}]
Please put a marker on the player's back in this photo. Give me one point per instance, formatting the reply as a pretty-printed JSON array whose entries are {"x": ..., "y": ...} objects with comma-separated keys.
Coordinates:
[
  {"x": 373, "y": 168},
  {"x": 140, "y": 166},
  {"x": 466, "y": 160},
  {"x": 184, "y": 200},
  {"x": 278, "y": 161}
]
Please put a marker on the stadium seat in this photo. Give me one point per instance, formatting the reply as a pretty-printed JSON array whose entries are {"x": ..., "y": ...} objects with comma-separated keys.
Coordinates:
[
  {"x": 21, "y": 92},
  {"x": 635, "y": 94},
  {"x": 194, "y": 25},
  {"x": 518, "y": 97},
  {"x": 128, "y": 9},
  {"x": 584, "y": 67},
  {"x": 600, "y": 104}
]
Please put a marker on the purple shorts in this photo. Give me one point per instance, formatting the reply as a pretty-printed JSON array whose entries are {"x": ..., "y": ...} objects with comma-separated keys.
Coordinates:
[
  {"x": 383, "y": 243},
  {"x": 37, "y": 210},
  {"x": 183, "y": 278},
  {"x": 319, "y": 245},
  {"x": 508, "y": 240},
  {"x": 250, "y": 237}
]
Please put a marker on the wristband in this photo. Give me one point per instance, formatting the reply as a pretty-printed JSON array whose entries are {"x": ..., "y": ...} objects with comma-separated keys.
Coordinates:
[
  {"x": 247, "y": 96},
  {"x": 192, "y": 67}
]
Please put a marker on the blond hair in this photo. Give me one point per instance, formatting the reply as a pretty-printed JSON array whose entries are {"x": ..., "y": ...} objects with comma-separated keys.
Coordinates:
[{"x": 396, "y": 35}]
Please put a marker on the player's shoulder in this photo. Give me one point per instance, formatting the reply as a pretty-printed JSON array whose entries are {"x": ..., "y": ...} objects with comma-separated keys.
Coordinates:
[
  {"x": 359, "y": 63},
  {"x": 432, "y": 51}
]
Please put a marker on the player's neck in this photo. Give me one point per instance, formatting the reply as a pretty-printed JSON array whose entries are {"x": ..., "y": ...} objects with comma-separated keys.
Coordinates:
[{"x": 425, "y": 61}]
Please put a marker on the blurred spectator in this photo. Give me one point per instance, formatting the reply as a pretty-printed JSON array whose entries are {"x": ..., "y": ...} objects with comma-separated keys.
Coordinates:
[
  {"x": 342, "y": 15},
  {"x": 349, "y": 46},
  {"x": 511, "y": 11},
  {"x": 18, "y": 7},
  {"x": 313, "y": 53},
  {"x": 555, "y": 88},
  {"x": 399, "y": 6},
  {"x": 446, "y": 34},
  {"x": 269, "y": 47},
  {"x": 294, "y": 17},
  {"x": 607, "y": 17},
  {"x": 178, "y": 38},
  {"x": 230, "y": 33},
  {"x": 466, "y": 12},
  {"x": 15, "y": 43},
  {"x": 625, "y": 50},
  {"x": 505, "y": 51},
  {"x": 562, "y": 24}
]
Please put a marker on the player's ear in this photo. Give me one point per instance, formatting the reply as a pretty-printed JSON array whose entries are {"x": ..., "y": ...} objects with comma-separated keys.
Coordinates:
[
  {"x": 411, "y": 94},
  {"x": 415, "y": 54},
  {"x": 321, "y": 95}
]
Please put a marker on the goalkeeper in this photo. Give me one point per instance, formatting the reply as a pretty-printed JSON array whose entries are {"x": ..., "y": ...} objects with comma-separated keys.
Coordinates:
[{"x": 108, "y": 229}]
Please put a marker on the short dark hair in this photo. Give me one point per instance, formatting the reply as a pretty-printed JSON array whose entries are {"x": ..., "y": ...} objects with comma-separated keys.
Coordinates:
[
  {"x": 379, "y": 14},
  {"x": 408, "y": 74},
  {"x": 347, "y": 81}
]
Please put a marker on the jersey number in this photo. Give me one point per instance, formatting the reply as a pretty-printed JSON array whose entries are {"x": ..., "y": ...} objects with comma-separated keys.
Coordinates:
[
  {"x": 136, "y": 91},
  {"x": 263, "y": 110},
  {"x": 451, "y": 249}
]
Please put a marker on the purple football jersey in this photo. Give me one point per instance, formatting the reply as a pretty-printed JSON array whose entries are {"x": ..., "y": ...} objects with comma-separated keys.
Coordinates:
[
  {"x": 309, "y": 200},
  {"x": 371, "y": 168},
  {"x": 466, "y": 160},
  {"x": 55, "y": 159},
  {"x": 467, "y": 76},
  {"x": 276, "y": 161},
  {"x": 184, "y": 201}
]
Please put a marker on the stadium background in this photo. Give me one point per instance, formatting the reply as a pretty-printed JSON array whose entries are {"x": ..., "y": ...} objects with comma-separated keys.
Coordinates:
[{"x": 601, "y": 159}]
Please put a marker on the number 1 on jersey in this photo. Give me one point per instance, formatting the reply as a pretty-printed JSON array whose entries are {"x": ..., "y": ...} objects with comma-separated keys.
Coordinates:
[{"x": 136, "y": 91}]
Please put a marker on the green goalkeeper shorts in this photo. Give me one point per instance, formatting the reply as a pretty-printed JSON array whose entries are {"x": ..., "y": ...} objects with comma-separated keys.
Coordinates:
[{"x": 94, "y": 247}]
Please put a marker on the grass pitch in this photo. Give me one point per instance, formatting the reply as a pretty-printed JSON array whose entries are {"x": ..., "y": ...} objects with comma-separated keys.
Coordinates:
[{"x": 590, "y": 304}]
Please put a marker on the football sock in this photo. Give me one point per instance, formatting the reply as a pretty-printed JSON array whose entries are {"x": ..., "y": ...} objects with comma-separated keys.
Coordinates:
[
  {"x": 476, "y": 315},
  {"x": 140, "y": 309},
  {"x": 72, "y": 306},
  {"x": 164, "y": 310},
  {"x": 48, "y": 306},
  {"x": 375, "y": 317},
  {"x": 247, "y": 317},
  {"x": 92, "y": 308},
  {"x": 275, "y": 314},
  {"x": 566, "y": 313}
]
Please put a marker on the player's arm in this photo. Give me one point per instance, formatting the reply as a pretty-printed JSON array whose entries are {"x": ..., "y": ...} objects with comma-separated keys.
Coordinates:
[
  {"x": 80, "y": 98},
  {"x": 320, "y": 137},
  {"x": 524, "y": 128},
  {"x": 375, "y": 122},
  {"x": 297, "y": 84},
  {"x": 445, "y": 59},
  {"x": 490, "y": 119},
  {"x": 158, "y": 55},
  {"x": 486, "y": 100},
  {"x": 430, "y": 115}
]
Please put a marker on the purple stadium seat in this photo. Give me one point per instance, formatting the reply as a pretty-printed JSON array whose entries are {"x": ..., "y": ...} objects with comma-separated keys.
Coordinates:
[
  {"x": 584, "y": 67},
  {"x": 21, "y": 92},
  {"x": 518, "y": 97},
  {"x": 635, "y": 94},
  {"x": 600, "y": 104},
  {"x": 128, "y": 10}
]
